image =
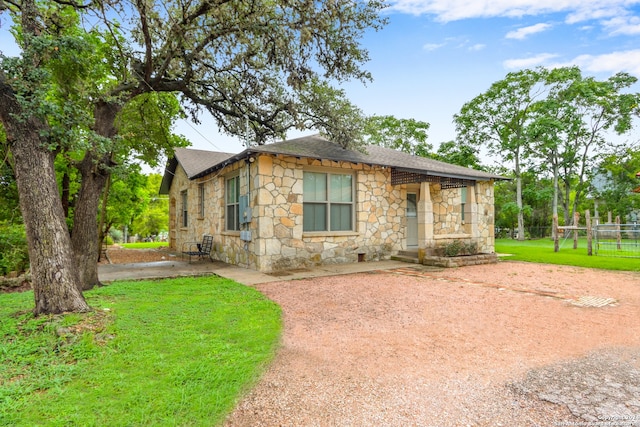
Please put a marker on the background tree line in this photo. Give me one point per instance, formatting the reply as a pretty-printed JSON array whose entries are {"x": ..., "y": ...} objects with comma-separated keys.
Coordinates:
[{"x": 554, "y": 130}]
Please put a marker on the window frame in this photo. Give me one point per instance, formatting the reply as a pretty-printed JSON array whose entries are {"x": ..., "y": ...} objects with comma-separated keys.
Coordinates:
[
  {"x": 464, "y": 194},
  {"x": 184, "y": 208},
  {"x": 327, "y": 203},
  {"x": 201, "y": 193},
  {"x": 235, "y": 205}
]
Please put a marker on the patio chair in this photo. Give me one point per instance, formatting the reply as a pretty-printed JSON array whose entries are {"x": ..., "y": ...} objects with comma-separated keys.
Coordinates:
[{"x": 198, "y": 249}]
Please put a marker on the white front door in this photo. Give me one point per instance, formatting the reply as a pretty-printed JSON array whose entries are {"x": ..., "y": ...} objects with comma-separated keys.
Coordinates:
[{"x": 412, "y": 220}]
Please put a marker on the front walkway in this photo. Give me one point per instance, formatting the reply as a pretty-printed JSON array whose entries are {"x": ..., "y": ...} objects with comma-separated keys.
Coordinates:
[{"x": 169, "y": 269}]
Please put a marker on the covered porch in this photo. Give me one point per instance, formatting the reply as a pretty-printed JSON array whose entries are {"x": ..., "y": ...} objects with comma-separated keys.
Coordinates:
[{"x": 442, "y": 210}]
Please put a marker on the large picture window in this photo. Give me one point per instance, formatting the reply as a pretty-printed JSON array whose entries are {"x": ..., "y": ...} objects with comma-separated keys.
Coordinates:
[
  {"x": 328, "y": 202},
  {"x": 232, "y": 203}
]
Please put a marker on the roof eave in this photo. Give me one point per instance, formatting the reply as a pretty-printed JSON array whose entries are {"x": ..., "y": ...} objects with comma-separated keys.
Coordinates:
[
  {"x": 167, "y": 178},
  {"x": 470, "y": 177}
]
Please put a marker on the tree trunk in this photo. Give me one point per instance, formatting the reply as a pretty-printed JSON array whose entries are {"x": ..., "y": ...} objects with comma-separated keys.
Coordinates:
[
  {"x": 95, "y": 173},
  {"x": 65, "y": 195},
  {"x": 567, "y": 203},
  {"x": 555, "y": 197},
  {"x": 84, "y": 237},
  {"x": 519, "y": 200},
  {"x": 53, "y": 274},
  {"x": 102, "y": 231}
]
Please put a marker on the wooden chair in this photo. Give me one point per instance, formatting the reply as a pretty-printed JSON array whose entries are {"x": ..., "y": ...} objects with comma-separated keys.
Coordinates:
[{"x": 199, "y": 249}]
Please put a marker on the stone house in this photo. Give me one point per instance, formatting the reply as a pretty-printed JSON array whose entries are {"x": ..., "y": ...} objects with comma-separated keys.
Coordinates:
[{"x": 308, "y": 201}]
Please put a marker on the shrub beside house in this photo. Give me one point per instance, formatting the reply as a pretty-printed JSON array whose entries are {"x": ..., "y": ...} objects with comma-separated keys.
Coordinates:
[{"x": 308, "y": 201}]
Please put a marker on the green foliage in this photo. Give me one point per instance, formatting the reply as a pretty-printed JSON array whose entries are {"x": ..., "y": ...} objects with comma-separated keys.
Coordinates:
[
  {"x": 134, "y": 202},
  {"x": 407, "y": 135},
  {"x": 14, "y": 254},
  {"x": 328, "y": 110},
  {"x": 144, "y": 127},
  {"x": 154, "y": 219},
  {"x": 9, "y": 200},
  {"x": 169, "y": 352},
  {"x": 459, "y": 153},
  {"x": 616, "y": 176},
  {"x": 458, "y": 247},
  {"x": 115, "y": 235},
  {"x": 58, "y": 75},
  {"x": 453, "y": 248}
]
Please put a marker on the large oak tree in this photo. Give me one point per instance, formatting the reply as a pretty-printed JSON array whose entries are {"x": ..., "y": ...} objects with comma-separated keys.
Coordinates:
[{"x": 265, "y": 66}]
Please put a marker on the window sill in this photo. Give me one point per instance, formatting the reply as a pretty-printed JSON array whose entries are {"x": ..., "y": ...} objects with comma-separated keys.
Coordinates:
[
  {"x": 329, "y": 233},
  {"x": 232, "y": 233},
  {"x": 452, "y": 236}
]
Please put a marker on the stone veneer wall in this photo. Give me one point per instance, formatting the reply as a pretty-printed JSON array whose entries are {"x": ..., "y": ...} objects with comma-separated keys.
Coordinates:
[
  {"x": 447, "y": 217},
  {"x": 485, "y": 217},
  {"x": 478, "y": 226},
  {"x": 282, "y": 243},
  {"x": 227, "y": 244}
]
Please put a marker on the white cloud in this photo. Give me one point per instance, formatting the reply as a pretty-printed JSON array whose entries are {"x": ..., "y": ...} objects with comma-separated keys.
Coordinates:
[
  {"x": 606, "y": 64},
  {"x": 433, "y": 46},
  {"x": 524, "y": 32},
  {"x": 596, "y": 12},
  {"x": 530, "y": 62},
  {"x": 627, "y": 25},
  {"x": 477, "y": 47},
  {"x": 453, "y": 10},
  {"x": 610, "y": 63}
]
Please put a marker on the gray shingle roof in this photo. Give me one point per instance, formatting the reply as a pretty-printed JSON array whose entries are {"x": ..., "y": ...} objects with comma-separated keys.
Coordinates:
[
  {"x": 318, "y": 147},
  {"x": 195, "y": 161},
  {"x": 198, "y": 163}
]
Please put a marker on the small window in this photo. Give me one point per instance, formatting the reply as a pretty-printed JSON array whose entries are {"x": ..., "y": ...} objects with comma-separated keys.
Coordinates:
[
  {"x": 463, "y": 202},
  {"x": 412, "y": 205},
  {"x": 184, "y": 208},
  {"x": 201, "y": 200},
  {"x": 328, "y": 202},
  {"x": 232, "y": 203}
]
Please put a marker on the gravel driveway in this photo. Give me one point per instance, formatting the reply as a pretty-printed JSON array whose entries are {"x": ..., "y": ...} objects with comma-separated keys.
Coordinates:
[{"x": 512, "y": 344}]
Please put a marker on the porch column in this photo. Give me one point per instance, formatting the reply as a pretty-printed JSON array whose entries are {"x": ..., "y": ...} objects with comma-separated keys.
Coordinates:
[
  {"x": 473, "y": 214},
  {"x": 425, "y": 217}
]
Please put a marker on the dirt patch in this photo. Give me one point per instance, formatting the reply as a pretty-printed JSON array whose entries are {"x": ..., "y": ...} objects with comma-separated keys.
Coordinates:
[
  {"x": 119, "y": 255},
  {"x": 458, "y": 347}
]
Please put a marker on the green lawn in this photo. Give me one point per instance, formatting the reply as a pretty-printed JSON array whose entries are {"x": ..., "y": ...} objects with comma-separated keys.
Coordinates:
[
  {"x": 541, "y": 251},
  {"x": 144, "y": 245},
  {"x": 175, "y": 352}
]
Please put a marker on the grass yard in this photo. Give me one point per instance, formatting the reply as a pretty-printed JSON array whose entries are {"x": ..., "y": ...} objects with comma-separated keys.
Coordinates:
[
  {"x": 541, "y": 251},
  {"x": 173, "y": 352},
  {"x": 145, "y": 245}
]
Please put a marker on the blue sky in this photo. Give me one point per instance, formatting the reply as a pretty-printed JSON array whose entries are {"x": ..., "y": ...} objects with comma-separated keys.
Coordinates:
[{"x": 435, "y": 55}]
